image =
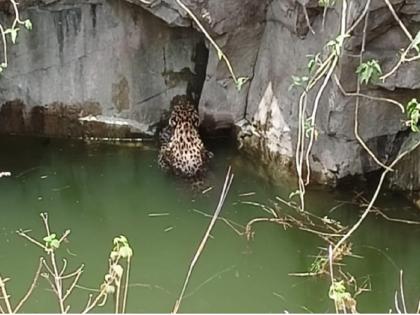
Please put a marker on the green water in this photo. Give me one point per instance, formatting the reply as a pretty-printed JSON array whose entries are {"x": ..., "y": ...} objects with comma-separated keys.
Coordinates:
[{"x": 101, "y": 191}]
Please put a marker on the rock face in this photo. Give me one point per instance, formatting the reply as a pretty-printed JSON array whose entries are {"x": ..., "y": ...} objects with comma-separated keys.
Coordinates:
[
  {"x": 115, "y": 59},
  {"x": 106, "y": 58}
]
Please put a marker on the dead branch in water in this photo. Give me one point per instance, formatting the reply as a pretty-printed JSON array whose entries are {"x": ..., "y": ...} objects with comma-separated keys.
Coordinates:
[{"x": 226, "y": 186}]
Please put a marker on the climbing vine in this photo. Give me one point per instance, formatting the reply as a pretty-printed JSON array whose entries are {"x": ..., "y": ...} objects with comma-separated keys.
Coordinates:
[
  {"x": 321, "y": 71},
  {"x": 9, "y": 32}
]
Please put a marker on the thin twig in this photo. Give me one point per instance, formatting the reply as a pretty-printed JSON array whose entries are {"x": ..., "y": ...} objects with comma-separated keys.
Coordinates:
[
  {"x": 127, "y": 276},
  {"x": 31, "y": 288},
  {"x": 402, "y": 292},
  {"x": 226, "y": 186},
  {"x": 6, "y": 297},
  {"x": 375, "y": 196},
  {"x": 220, "y": 53}
]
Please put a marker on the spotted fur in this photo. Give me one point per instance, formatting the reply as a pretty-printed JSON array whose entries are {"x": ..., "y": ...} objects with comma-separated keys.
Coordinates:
[{"x": 182, "y": 149}]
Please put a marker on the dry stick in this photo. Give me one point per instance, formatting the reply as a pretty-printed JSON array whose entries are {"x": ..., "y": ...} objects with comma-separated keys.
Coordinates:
[
  {"x": 313, "y": 116},
  {"x": 73, "y": 284},
  {"x": 403, "y": 59},
  {"x": 5, "y": 296},
  {"x": 332, "y": 66},
  {"x": 275, "y": 220},
  {"x": 300, "y": 144},
  {"x": 3, "y": 36},
  {"x": 308, "y": 22},
  {"x": 31, "y": 288},
  {"x": 117, "y": 299},
  {"x": 217, "y": 274},
  {"x": 370, "y": 97},
  {"x": 402, "y": 292},
  {"x": 330, "y": 260},
  {"x": 226, "y": 186},
  {"x": 375, "y": 196},
  {"x": 404, "y": 54},
  {"x": 126, "y": 285},
  {"x": 356, "y": 107},
  {"x": 386, "y": 217},
  {"x": 228, "y": 222},
  {"x": 391, "y": 8},
  {"x": 397, "y": 307},
  {"x": 220, "y": 53}
]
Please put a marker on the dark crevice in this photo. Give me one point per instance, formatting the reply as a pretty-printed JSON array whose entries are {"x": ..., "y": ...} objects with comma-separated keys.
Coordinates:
[{"x": 200, "y": 59}]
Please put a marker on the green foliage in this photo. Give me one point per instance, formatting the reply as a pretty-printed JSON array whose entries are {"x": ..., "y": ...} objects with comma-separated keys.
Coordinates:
[
  {"x": 413, "y": 114},
  {"x": 240, "y": 82},
  {"x": 51, "y": 241},
  {"x": 369, "y": 71},
  {"x": 13, "y": 32},
  {"x": 299, "y": 82},
  {"x": 121, "y": 248},
  {"x": 326, "y": 3},
  {"x": 338, "y": 292},
  {"x": 28, "y": 24},
  {"x": 318, "y": 264},
  {"x": 335, "y": 45},
  {"x": 308, "y": 127},
  {"x": 313, "y": 62},
  {"x": 416, "y": 43}
]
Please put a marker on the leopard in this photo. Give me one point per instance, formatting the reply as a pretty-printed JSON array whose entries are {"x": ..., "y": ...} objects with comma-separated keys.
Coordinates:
[{"x": 182, "y": 150}]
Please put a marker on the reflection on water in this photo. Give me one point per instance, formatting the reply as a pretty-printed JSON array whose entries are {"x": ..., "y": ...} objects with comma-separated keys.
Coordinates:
[{"x": 103, "y": 191}]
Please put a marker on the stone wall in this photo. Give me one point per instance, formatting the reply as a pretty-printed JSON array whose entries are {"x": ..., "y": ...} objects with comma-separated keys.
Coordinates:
[{"x": 110, "y": 59}]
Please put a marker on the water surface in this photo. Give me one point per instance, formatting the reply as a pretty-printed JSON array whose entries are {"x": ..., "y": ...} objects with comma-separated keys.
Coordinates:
[{"x": 102, "y": 191}]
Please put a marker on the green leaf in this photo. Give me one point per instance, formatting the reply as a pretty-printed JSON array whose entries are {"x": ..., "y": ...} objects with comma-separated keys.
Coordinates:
[
  {"x": 55, "y": 243},
  {"x": 416, "y": 42},
  {"x": 49, "y": 238},
  {"x": 118, "y": 270},
  {"x": 369, "y": 71},
  {"x": 125, "y": 252},
  {"x": 240, "y": 82},
  {"x": 28, "y": 24},
  {"x": 14, "y": 34}
]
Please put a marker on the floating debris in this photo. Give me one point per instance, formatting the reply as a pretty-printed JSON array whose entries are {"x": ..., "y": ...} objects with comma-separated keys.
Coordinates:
[
  {"x": 164, "y": 214},
  {"x": 247, "y": 194},
  {"x": 207, "y": 190}
]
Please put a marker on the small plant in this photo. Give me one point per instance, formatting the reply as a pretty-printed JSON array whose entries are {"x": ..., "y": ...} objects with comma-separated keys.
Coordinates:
[
  {"x": 240, "y": 82},
  {"x": 299, "y": 82},
  {"x": 343, "y": 300},
  {"x": 313, "y": 62},
  {"x": 63, "y": 282},
  {"x": 413, "y": 114},
  {"x": 12, "y": 31},
  {"x": 335, "y": 45},
  {"x": 369, "y": 71}
]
